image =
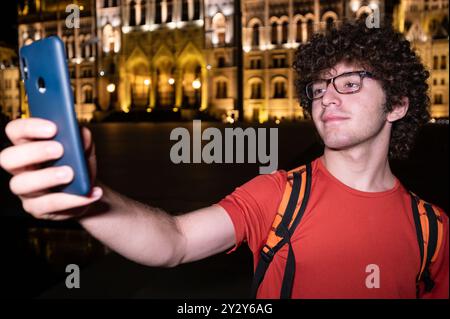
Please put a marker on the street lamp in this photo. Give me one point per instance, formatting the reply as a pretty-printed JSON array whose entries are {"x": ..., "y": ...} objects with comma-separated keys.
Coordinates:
[
  {"x": 196, "y": 84},
  {"x": 111, "y": 87},
  {"x": 147, "y": 84}
]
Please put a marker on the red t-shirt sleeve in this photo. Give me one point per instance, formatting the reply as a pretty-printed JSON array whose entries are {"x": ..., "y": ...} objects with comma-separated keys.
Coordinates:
[
  {"x": 252, "y": 207},
  {"x": 440, "y": 267}
]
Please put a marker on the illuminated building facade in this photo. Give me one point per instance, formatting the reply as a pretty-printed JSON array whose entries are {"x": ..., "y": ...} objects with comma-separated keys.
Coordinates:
[
  {"x": 43, "y": 18},
  {"x": 10, "y": 98},
  {"x": 425, "y": 24},
  {"x": 180, "y": 55}
]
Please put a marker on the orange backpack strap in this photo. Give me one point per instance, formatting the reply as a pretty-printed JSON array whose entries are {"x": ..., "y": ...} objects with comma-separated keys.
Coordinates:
[
  {"x": 429, "y": 230},
  {"x": 289, "y": 214}
]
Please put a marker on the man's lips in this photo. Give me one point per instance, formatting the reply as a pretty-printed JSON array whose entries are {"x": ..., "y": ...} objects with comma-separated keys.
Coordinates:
[{"x": 333, "y": 118}]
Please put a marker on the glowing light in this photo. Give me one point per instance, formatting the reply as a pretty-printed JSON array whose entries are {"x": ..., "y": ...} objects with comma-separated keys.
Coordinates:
[
  {"x": 111, "y": 87},
  {"x": 102, "y": 73},
  {"x": 196, "y": 84},
  {"x": 126, "y": 29},
  {"x": 171, "y": 81},
  {"x": 147, "y": 82},
  {"x": 149, "y": 110},
  {"x": 354, "y": 5},
  {"x": 227, "y": 10},
  {"x": 277, "y": 121},
  {"x": 78, "y": 60},
  {"x": 373, "y": 6},
  {"x": 208, "y": 67},
  {"x": 247, "y": 49},
  {"x": 175, "y": 109},
  {"x": 171, "y": 25}
]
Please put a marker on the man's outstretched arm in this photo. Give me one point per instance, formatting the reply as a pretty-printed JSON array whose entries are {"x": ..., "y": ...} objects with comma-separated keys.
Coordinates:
[
  {"x": 141, "y": 233},
  {"x": 151, "y": 236}
]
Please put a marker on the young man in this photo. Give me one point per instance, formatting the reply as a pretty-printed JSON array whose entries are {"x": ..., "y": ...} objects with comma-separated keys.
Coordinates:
[{"x": 366, "y": 92}]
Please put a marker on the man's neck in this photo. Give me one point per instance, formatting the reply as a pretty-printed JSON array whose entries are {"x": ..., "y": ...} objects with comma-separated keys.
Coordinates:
[{"x": 360, "y": 169}]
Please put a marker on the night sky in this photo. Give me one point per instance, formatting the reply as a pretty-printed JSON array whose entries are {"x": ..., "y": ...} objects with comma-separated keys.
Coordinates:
[{"x": 8, "y": 22}]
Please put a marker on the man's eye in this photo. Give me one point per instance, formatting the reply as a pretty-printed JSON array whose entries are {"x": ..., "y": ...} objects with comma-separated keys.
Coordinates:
[
  {"x": 318, "y": 91},
  {"x": 351, "y": 85}
]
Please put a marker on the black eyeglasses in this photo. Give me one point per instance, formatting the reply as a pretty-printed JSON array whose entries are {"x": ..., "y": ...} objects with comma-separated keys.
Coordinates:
[{"x": 345, "y": 83}]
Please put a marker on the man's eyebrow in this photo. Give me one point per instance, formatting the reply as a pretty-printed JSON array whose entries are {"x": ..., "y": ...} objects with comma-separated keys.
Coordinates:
[{"x": 325, "y": 73}]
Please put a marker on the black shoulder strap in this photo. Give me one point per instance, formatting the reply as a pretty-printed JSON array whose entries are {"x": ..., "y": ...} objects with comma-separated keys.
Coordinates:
[
  {"x": 285, "y": 232},
  {"x": 432, "y": 231},
  {"x": 289, "y": 270}
]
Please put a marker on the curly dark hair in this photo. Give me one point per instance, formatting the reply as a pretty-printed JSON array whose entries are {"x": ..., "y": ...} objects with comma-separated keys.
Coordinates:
[{"x": 382, "y": 51}]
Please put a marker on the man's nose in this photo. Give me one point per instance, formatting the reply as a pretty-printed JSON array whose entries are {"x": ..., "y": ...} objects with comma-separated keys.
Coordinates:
[{"x": 331, "y": 96}]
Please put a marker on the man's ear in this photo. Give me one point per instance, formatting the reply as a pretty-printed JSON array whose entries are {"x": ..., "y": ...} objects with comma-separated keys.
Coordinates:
[{"x": 399, "y": 110}]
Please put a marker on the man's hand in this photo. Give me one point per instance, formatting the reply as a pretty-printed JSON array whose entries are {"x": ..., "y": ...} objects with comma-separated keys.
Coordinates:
[{"x": 32, "y": 183}]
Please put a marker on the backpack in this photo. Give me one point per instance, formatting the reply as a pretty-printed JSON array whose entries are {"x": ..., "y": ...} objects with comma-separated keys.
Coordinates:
[{"x": 427, "y": 219}]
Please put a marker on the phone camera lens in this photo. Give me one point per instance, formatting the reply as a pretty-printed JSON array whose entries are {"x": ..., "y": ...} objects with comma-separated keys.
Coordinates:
[{"x": 41, "y": 85}]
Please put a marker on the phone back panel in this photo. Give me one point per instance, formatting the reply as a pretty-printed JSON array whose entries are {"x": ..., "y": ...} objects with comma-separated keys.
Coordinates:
[{"x": 50, "y": 96}]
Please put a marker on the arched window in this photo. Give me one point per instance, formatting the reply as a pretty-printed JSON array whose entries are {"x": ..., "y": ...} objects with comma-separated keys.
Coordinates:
[
  {"x": 255, "y": 35},
  {"x": 169, "y": 5},
  {"x": 86, "y": 47},
  {"x": 143, "y": 13},
  {"x": 87, "y": 94},
  {"x": 310, "y": 29},
  {"x": 219, "y": 26},
  {"x": 274, "y": 33},
  {"x": 158, "y": 11},
  {"x": 299, "y": 32},
  {"x": 443, "y": 62},
  {"x": 221, "y": 89},
  {"x": 329, "y": 24},
  {"x": 435, "y": 62},
  {"x": 196, "y": 9},
  {"x": 438, "y": 99},
  {"x": 279, "y": 88},
  {"x": 132, "y": 11},
  {"x": 284, "y": 32},
  {"x": 256, "y": 90},
  {"x": 184, "y": 10}
]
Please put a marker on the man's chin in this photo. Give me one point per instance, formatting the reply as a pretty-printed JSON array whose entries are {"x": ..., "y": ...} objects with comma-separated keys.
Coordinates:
[{"x": 338, "y": 146}]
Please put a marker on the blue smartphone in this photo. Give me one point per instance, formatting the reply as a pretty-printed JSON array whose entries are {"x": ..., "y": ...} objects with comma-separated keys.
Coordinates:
[{"x": 47, "y": 83}]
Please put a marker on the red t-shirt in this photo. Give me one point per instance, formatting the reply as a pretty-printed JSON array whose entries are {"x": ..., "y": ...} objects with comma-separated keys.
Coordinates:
[{"x": 343, "y": 231}]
